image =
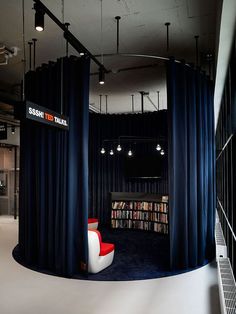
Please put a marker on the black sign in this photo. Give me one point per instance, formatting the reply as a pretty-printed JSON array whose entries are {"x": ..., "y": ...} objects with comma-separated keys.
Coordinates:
[
  {"x": 3, "y": 131},
  {"x": 46, "y": 116}
]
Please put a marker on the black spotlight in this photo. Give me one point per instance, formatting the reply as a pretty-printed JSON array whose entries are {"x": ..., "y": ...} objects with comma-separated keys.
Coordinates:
[
  {"x": 101, "y": 76},
  {"x": 39, "y": 18}
]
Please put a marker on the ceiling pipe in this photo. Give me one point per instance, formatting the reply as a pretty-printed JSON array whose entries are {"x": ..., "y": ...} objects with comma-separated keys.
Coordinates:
[
  {"x": 117, "y": 33},
  {"x": 24, "y": 53},
  {"x": 100, "y": 103},
  {"x": 106, "y": 103},
  {"x": 158, "y": 100},
  {"x": 142, "y": 93},
  {"x": 196, "y": 47},
  {"x": 142, "y": 101},
  {"x": 30, "y": 54},
  {"x": 63, "y": 11},
  {"x": 73, "y": 41},
  {"x": 132, "y": 100},
  {"x": 167, "y": 24},
  {"x": 62, "y": 85},
  {"x": 101, "y": 72},
  {"x": 34, "y": 58}
]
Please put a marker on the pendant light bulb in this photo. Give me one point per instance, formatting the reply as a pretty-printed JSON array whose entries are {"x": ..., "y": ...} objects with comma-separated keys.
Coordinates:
[
  {"x": 158, "y": 147},
  {"x": 103, "y": 150},
  {"x": 130, "y": 153},
  {"x": 111, "y": 152},
  {"x": 101, "y": 76},
  {"x": 39, "y": 18},
  {"x": 119, "y": 148},
  {"x": 162, "y": 152},
  {"x": 81, "y": 53},
  {"x": 39, "y": 28},
  {"x": 13, "y": 130}
]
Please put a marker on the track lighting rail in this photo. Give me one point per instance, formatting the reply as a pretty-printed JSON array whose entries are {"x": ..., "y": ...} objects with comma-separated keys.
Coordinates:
[{"x": 73, "y": 41}]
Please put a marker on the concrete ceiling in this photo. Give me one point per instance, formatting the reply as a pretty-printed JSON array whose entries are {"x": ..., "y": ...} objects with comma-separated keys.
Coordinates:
[{"x": 142, "y": 31}]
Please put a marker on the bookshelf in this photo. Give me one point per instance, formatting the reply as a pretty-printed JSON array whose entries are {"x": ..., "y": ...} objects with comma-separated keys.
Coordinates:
[{"x": 139, "y": 211}]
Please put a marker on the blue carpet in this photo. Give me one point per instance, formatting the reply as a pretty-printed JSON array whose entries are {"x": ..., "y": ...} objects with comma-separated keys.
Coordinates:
[{"x": 139, "y": 255}]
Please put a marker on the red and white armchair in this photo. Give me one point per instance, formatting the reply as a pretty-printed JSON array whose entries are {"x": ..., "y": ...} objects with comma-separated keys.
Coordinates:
[{"x": 100, "y": 254}]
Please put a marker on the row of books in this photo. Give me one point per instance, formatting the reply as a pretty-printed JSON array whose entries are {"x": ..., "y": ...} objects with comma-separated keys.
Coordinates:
[
  {"x": 148, "y": 206},
  {"x": 128, "y": 214},
  {"x": 122, "y": 205},
  {"x": 160, "y": 207},
  {"x": 142, "y": 225}
]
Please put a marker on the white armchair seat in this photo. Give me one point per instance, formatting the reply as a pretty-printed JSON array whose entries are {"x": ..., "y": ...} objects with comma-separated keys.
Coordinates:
[{"x": 100, "y": 254}]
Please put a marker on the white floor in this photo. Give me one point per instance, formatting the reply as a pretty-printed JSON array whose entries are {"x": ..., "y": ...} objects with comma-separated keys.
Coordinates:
[{"x": 23, "y": 291}]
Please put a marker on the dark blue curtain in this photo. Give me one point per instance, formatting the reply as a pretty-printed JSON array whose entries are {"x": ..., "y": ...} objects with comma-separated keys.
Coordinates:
[
  {"x": 106, "y": 173},
  {"x": 191, "y": 165},
  {"x": 54, "y": 171}
]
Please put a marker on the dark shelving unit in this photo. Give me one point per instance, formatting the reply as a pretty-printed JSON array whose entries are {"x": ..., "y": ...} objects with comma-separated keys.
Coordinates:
[{"x": 139, "y": 211}]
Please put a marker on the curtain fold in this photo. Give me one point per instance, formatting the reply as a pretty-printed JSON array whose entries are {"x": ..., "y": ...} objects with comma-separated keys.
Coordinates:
[
  {"x": 54, "y": 172},
  {"x": 191, "y": 165}
]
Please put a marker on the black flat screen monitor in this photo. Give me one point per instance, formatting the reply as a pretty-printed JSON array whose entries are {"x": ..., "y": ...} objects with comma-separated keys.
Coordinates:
[{"x": 145, "y": 167}]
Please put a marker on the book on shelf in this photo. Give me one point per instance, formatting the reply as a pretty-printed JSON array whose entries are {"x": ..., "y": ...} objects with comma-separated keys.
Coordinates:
[
  {"x": 122, "y": 205},
  {"x": 142, "y": 225}
]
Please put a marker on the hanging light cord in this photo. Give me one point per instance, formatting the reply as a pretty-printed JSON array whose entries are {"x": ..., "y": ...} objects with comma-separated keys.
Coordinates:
[
  {"x": 62, "y": 63},
  {"x": 132, "y": 103},
  {"x": 62, "y": 11},
  {"x": 24, "y": 54},
  {"x": 100, "y": 103},
  {"x": 106, "y": 104},
  {"x": 101, "y": 33}
]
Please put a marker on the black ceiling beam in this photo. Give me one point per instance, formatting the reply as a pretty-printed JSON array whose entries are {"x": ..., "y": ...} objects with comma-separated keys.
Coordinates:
[{"x": 74, "y": 42}]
